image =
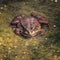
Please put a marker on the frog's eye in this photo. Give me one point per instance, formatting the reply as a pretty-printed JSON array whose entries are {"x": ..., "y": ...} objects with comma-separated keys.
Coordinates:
[{"x": 26, "y": 32}]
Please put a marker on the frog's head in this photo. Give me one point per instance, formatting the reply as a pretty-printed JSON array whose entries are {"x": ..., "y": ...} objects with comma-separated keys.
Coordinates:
[{"x": 32, "y": 27}]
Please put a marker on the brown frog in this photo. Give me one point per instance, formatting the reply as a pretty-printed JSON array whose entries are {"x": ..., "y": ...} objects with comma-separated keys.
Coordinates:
[{"x": 29, "y": 26}]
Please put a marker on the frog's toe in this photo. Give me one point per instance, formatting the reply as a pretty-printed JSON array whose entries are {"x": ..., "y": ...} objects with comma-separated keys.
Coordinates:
[{"x": 42, "y": 32}]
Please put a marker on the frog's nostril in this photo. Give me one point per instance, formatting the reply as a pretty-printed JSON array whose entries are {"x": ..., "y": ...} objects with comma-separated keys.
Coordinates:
[{"x": 31, "y": 28}]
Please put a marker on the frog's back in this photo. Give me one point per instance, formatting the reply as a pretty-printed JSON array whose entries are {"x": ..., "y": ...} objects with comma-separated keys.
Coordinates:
[{"x": 30, "y": 23}]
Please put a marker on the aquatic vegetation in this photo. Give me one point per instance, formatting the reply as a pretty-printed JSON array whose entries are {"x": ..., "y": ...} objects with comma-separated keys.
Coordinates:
[{"x": 13, "y": 47}]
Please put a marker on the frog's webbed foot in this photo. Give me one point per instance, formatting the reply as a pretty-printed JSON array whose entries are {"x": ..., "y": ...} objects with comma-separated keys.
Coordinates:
[
  {"x": 45, "y": 23},
  {"x": 17, "y": 31},
  {"x": 41, "y": 32}
]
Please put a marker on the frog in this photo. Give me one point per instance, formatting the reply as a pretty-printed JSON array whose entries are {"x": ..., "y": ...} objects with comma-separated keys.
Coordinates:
[{"x": 29, "y": 25}]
